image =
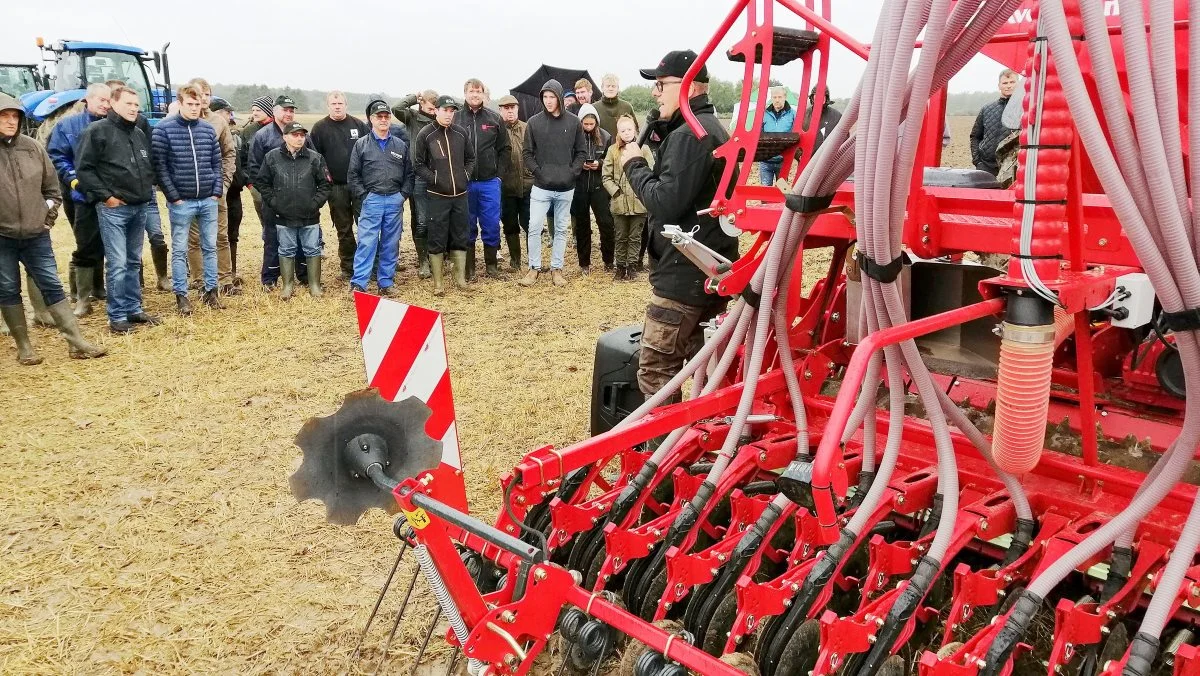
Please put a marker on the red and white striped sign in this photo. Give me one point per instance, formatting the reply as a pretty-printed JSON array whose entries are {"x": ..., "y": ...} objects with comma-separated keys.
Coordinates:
[{"x": 404, "y": 348}]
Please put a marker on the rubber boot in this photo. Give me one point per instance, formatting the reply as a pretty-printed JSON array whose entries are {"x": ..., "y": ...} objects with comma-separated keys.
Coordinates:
[
  {"x": 423, "y": 270},
  {"x": 158, "y": 252},
  {"x": 98, "y": 292},
  {"x": 40, "y": 316},
  {"x": 237, "y": 281},
  {"x": 514, "y": 251},
  {"x": 461, "y": 269},
  {"x": 14, "y": 316},
  {"x": 68, "y": 326},
  {"x": 84, "y": 283},
  {"x": 491, "y": 262},
  {"x": 72, "y": 285},
  {"x": 287, "y": 275},
  {"x": 314, "y": 277},
  {"x": 4, "y": 328},
  {"x": 435, "y": 270},
  {"x": 469, "y": 265}
]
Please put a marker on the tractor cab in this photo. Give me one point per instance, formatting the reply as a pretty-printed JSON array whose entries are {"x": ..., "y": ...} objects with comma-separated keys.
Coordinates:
[
  {"x": 18, "y": 79},
  {"x": 77, "y": 64}
]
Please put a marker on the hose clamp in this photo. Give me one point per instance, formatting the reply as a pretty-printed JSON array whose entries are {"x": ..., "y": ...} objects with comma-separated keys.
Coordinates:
[{"x": 1030, "y": 335}]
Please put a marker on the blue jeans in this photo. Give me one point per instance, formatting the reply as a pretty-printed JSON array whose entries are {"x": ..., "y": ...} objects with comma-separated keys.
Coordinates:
[
  {"x": 768, "y": 171},
  {"x": 380, "y": 224},
  {"x": 154, "y": 231},
  {"x": 37, "y": 256},
  {"x": 123, "y": 230},
  {"x": 541, "y": 203},
  {"x": 306, "y": 239},
  {"x": 204, "y": 212},
  {"x": 483, "y": 211}
]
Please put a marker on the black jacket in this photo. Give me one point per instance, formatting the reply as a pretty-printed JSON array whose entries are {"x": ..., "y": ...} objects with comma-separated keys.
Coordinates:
[
  {"x": 334, "y": 139},
  {"x": 590, "y": 179},
  {"x": 554, "y": 146},
  {"x": 683, "y": 181},
  {"x": 444, "y": 158},
  {"x": 294, "y": 186},
  {"x": 113, "y": 160},
  {"x": 987, "y": 134},
  {"x": 489, "y": 139}
]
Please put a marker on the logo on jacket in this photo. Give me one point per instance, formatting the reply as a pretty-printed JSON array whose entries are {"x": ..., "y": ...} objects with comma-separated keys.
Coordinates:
[
  {"x": 353, "y": 134},
  {"x": 396, "y": 155},
  {"x": 145, "y": 155},
  {"x": 488, "y": 127}
]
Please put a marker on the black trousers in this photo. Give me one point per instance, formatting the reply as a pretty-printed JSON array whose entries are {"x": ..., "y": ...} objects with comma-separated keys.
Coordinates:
[
  {"x": 446, "y": 220},
  {"x": 514, "y": 213},
  {"x": 233, "y": 201},
  {"x": 89, "y": 248},
  {"x": 343, "y": 211},
  {"x": 584, "y": 203}
]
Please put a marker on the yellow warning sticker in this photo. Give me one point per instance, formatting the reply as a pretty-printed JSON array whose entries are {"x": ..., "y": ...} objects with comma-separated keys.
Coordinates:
[{"x": 417, "y": 518}]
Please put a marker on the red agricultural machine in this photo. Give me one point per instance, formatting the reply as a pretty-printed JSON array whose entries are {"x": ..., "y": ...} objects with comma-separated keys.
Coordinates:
[{"x": 924, "y": 465}]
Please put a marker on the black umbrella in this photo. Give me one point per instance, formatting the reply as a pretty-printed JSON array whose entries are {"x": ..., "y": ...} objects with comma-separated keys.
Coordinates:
[{"x": 529, "y": 92}]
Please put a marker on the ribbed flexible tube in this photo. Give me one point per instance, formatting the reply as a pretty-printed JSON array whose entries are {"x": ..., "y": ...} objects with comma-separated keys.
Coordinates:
[
  {"x": 434, "y": 579},
  {"x": 1022, "y": 397}
]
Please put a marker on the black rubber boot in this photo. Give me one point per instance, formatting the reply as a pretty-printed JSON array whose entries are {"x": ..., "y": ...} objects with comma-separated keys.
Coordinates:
[
  {"x": 158, "y": 253},
  {"x": 491, "y": 256},
  {"x": 470, "y": 264},
  {"x": 98, "y": 291},
  {"x": 514, "y": 251}
]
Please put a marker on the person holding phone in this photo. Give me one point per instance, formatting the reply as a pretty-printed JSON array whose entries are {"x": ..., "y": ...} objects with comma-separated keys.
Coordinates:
[{"x": 590, "y": 195}]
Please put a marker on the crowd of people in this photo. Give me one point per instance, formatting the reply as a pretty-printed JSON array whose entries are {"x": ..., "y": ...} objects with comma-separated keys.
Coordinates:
[{"x": 469, "y": 171}]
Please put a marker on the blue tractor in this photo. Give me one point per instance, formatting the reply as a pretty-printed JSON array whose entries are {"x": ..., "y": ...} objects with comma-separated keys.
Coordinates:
[
  {"x": 76, "y": 64},
  {"x": 18, "y": 79}
]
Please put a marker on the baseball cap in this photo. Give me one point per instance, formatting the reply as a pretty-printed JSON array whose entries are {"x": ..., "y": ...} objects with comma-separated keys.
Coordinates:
[
  {"x": 569, "y": 94},
  {"x": 676, "y": 64},
  {"x": 447, "y": 101},
  {"x": 378, "y": 106},
  {"x": 294, "y": 126},
  {"x": 507, "y": 100},
  {"x": 219, "y": 104},
  {"x": 285, "y": 101}
]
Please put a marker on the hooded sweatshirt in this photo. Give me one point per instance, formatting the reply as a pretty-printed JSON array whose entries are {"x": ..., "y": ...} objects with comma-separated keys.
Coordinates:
[
  {"x": 29, "y": 193},
  {"x": 595, "y": 147},
  {"x": 554, "y": 146}
]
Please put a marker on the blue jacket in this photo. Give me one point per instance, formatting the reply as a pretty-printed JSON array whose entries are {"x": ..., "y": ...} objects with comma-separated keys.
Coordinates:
[
  {"x": 380, "y": 171},
  {"x": 779, "y": 121},
  {"x": 64, "y": 142},
  {"x": 187, "y": 159},
  {"x": 265, "y": 140}
]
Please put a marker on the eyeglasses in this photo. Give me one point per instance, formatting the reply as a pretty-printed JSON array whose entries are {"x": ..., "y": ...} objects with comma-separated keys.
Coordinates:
[{"x": 661, "y": 84}]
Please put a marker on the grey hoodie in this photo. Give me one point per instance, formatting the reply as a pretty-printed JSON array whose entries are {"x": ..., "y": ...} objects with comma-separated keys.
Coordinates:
[{"x": 554, "y": 146}]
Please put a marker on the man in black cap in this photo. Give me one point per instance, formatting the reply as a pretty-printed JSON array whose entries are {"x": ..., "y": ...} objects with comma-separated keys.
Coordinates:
[
  {"x": 334, "y": 137},
  {"x": 683, "y": 182},
  {"x": 444, "y": 159},
  {"x": 267, "y": 139},
  {"x": 381, "y": 179},
  {"x": 295, "y": 184},
  {"x": 261, "y": 115}
]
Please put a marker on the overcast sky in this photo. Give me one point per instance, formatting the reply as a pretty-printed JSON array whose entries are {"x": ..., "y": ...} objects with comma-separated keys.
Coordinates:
[{"x": 403, "y": 46}]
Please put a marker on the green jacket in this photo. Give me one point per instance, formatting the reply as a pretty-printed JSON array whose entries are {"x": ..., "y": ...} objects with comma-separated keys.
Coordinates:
[
  {"x": 515, "y": 179},
  {"x": 412, "y": 118},
  {"x": 610, "y": 111},
  {"x": 623, "y": 200}
]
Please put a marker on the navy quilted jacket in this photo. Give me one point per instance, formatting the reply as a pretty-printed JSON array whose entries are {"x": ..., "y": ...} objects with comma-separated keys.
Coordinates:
[{"x": 187, "y": 159}]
